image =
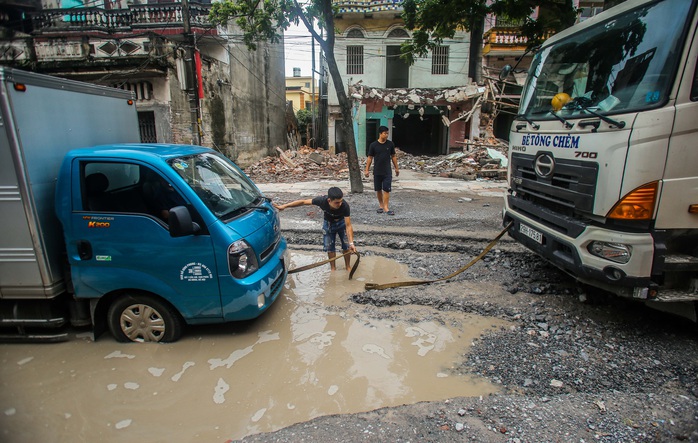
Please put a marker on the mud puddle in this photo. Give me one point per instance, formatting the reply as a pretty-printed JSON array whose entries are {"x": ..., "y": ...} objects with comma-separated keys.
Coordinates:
[{"x": 313, "y": 353}]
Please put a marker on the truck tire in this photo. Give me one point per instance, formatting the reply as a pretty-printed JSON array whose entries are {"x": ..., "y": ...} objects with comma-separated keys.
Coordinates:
[{"x": 141, "y": 318}]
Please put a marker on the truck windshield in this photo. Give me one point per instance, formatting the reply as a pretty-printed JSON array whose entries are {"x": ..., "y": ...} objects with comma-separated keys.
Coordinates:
[
  {"x": 623, "y": 64},
  {"x": 221, "y": 186}
]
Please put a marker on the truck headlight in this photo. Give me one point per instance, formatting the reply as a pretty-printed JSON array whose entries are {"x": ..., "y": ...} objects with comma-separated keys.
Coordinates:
[
  {"x": 242, "y": 260},
  {"x": 615, "y": 252}
]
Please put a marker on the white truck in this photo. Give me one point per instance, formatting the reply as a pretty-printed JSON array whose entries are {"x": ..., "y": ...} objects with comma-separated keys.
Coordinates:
[{"x": 603, "y": 155}]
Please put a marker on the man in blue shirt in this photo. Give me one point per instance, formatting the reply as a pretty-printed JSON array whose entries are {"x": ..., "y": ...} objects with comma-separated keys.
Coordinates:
[
  {"x": 337, "y": 222},
  {"x": 382, "y": 151}
]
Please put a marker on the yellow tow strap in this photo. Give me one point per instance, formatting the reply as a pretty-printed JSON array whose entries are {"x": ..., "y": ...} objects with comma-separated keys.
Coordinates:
[
  {"x": 374, "y": 286},
  {"x": 315, "y": 265}
]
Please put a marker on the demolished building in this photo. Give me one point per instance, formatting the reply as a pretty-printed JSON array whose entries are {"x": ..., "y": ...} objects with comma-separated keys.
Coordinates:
[{"x": 424, "y": 121}]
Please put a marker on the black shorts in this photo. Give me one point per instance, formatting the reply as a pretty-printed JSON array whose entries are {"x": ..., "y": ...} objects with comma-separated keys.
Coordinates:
[{"x": 382, "y": 183}]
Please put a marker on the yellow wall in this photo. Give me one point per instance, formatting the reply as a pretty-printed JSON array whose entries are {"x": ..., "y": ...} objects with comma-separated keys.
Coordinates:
[{"x": 299, "y": 97}]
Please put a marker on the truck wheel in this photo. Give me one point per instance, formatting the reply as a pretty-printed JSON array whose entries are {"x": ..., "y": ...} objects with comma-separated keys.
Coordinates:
[{"x": 141, "y": 318}]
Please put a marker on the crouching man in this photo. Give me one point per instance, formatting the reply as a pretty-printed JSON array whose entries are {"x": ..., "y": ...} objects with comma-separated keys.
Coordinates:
[{"x": 337, "y": 222}]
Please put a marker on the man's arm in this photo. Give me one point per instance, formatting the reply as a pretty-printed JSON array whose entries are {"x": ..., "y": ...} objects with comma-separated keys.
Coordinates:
[
  {"x": 397, "y": 171},
  {"x": 369, "y": 159},
  {"x": 293, "y": 204},
  {"x": 350, "y": 233}
]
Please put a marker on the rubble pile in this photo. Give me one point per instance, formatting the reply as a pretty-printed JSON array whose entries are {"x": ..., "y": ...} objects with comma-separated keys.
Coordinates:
[
  {"x": 478, "y": 159},
  {"x": 305, "y": 164}
]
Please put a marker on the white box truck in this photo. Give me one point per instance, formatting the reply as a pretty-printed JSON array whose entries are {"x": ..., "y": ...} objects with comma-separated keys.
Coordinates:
[{"x": 603, "y": 155}]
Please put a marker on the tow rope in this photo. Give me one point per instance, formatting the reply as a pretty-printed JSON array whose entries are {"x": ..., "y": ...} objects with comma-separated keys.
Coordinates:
[
  {"x": 329, "y": 260},
  {"x": 377, "y": 287}
]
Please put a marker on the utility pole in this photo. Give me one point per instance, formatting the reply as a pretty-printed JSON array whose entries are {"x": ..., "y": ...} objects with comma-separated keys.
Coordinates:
[
  {"x": 313, "y": 105},
  {"x": 322, "y": 101},
  {"x": 192, "y": 88},
  {"x": 322, "y": 104}
]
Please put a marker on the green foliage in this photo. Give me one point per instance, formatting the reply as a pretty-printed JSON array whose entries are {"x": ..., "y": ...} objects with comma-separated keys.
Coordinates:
[
  {"x": 259, "y": 20},
  {"x": 432, "y": 21},
  {"x": 305, "y": 118}
]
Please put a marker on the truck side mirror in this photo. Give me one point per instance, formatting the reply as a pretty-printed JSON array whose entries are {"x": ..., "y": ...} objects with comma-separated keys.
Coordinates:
[
  {"x": 504, "y": 73},
  {"x": 181, "y": 223}
]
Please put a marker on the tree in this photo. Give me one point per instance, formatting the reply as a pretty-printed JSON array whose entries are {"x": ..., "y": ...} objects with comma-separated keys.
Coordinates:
[
  {"x": 432, "y": 21},
  {"x": 305, "y": 118},
  {"x": 265, "y": 20}
]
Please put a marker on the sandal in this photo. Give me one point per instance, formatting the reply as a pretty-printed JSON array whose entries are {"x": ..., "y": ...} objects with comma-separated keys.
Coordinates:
[
  {"x": 380, "y": 210},
  {"x": 390, "y": 213}
]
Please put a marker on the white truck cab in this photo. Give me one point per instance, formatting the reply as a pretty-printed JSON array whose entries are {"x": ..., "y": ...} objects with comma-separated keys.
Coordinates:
[{"x": 603, "y": 156}]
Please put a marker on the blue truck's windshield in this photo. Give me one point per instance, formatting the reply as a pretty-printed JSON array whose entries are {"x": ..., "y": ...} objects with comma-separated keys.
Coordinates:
[
  {"x": 620, "y": 65},
  {"x": 221, "y": 186}
]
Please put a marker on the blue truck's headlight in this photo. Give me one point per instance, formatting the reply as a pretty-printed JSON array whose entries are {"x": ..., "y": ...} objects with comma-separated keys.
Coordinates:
[{"x": 242, "y": 260}]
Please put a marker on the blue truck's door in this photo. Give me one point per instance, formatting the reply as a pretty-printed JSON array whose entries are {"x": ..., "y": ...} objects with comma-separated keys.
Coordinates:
[{"x": 115, "y": 241}]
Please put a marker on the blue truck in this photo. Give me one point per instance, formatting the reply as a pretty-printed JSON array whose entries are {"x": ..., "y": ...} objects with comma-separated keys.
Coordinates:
[{"x": 102, "y": 231}]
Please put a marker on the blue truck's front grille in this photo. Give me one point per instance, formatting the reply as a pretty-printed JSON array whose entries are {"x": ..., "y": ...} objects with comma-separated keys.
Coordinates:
[
  {"x": 270, "y": 250},
  {"x": 276, "y": 285}
]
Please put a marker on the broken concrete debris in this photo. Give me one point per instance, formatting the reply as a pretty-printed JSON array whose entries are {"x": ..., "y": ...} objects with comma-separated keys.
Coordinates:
[
  {"x": 478, "y": 159},
  {"x": 305, "y": 164}
]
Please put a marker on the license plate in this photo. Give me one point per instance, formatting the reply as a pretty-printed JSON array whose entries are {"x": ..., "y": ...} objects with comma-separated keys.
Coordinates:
[{"x": 531, "y": 233}]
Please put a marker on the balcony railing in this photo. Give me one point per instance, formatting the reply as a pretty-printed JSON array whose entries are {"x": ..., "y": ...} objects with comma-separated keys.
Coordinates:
[
  {"x": 135, "y": 16},
  {"x": 505, "y": 37},
  {"x": 367, "y": 6}
]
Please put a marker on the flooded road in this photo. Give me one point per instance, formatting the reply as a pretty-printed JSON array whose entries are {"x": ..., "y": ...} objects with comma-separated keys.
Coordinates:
[{"x": 313, "y": 353}]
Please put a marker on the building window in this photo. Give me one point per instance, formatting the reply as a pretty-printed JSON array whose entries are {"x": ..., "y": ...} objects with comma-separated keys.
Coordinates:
[
  {"x": 143, "y": 90},
  {"x": 355, "y": 33},
  {"x": 397, "y": 72},
  {"x": 588, "y": 11},
  {"x": 398, "y": 33},
  {"x": 146, "y": 126},
  {"x": 439, "y": 60},
  {"x": 355, "y": 59},
  {"x": 308, "y": 105},
  {"x": 307, "y": 84}
]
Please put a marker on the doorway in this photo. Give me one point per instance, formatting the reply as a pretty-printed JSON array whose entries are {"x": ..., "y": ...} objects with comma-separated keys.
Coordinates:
[
  {"x": 371, "y": 132},
  {"x": 425, "y": 136}
]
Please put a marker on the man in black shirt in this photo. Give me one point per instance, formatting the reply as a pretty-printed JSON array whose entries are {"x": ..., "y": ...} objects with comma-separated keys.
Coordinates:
[
  {"x": 337, "y": 222},
  {"x": 382, "y": 151}
]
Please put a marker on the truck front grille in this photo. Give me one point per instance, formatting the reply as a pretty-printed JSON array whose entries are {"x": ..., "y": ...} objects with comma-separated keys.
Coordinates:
[
  {"x": 559, "y": 200},
  {"x": 571, "y": 186},
  {"x": 270, "y": 249}
]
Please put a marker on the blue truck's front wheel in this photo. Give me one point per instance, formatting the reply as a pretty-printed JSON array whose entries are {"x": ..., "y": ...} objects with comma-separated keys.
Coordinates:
[{"x": 142, "y": 318}]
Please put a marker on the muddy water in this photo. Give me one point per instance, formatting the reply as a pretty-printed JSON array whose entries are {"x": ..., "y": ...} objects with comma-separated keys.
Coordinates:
[{"x": 313, "y": 353}]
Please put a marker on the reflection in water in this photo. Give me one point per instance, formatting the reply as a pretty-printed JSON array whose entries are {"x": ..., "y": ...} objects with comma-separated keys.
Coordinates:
[{"x": 313, "y": 353}]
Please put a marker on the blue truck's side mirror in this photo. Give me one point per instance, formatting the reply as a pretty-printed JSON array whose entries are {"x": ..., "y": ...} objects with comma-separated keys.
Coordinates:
[{"x": 181, "y": 223}]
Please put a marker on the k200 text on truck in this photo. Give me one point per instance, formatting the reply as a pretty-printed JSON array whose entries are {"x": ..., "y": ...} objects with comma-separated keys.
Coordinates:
[
  {"x": 603, "y": 156},
  {"x": 100, "y": 230}
]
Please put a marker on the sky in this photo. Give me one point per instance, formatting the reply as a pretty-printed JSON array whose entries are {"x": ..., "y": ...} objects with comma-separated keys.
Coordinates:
[{"x": 298, "y": 51}]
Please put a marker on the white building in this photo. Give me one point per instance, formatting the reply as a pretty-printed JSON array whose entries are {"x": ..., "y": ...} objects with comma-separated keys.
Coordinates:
[{"x": 429, "y": 106}]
